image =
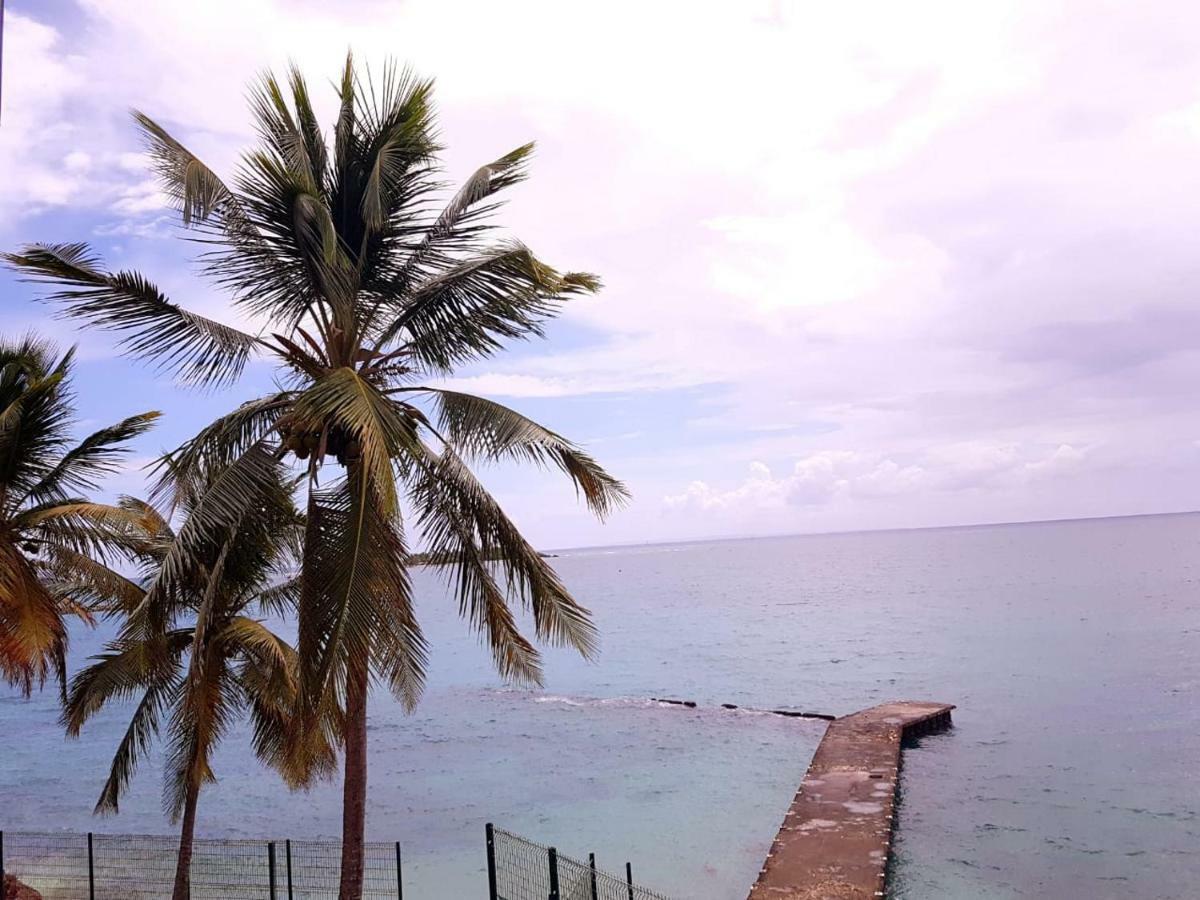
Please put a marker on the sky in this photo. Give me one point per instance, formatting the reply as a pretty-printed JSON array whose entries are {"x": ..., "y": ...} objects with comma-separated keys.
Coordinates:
[{"x": 866, "y": 265}]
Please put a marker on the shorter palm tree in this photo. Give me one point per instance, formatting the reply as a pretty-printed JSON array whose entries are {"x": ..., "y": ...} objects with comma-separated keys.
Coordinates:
[
  {"x": 50, "y": 535},
  {"x": 197, "y": 657}
]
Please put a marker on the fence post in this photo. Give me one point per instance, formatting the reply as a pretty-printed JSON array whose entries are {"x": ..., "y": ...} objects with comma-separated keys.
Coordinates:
[
  {"x": 592, "y": 866},
  {"x": 271, "y": 866},
  {"x": 491, "y": 857},
  {"x": 91, "y": 871},
  {"x": 629, "y": 878},
  {"x": 1, "y": 865},
  {"x": 287, "y": 848},
  {"x": 399, "y": 876},
  {"x": 553, "y": 857}
]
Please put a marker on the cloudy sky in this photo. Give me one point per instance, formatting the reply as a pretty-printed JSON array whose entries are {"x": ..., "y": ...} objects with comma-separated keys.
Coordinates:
[{"x": 866, "y": 265}]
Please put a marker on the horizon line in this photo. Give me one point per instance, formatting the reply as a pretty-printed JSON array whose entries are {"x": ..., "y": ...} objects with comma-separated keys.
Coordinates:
[{"x": 900, "y": 528}]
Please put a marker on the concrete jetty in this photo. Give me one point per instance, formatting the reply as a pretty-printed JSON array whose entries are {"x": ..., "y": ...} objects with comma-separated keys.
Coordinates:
[{"x": 836, "y": 837}]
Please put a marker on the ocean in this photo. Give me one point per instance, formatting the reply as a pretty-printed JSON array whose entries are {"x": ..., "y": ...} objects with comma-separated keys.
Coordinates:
[{"x": 1071, "y": 649}]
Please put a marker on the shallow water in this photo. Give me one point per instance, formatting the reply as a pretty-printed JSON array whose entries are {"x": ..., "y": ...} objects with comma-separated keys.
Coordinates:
[{"x": 1073, "y": 769}]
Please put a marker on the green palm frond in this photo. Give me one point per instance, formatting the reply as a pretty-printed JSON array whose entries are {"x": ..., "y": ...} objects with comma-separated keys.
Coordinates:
[
  {"x": 134, "y": 744},
  {"x": 95, "y": 456},
  {"x": 195, "y": 189},
  {"x": 218, "y": 444},
  {"x": 355, "y": 600},
  {"x": 456, "y": 229},
  {"x": 478, "y": 427},
  {"x": 467, "y": 310},
  {"x": 315, "y": 152},
  {"x": 449, "y": 501},
  {"x": 233, "y": 495},
  {"x": 196, "y": 349},
  {"x": 36, "y": 422}
]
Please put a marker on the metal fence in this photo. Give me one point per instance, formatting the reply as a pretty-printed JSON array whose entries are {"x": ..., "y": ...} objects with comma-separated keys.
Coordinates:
[
  {"x": 63, "y": 866},
  {"x": 519, "y": 869}
]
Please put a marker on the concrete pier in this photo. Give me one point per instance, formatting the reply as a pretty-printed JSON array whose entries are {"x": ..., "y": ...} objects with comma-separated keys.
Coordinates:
[{"x": 836, "y": 837}]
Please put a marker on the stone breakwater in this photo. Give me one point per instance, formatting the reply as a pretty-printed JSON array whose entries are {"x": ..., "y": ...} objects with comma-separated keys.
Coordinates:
[{"x": 836, "y": 837}]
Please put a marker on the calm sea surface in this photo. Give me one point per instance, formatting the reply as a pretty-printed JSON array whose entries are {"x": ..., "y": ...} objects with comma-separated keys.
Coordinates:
[{"x": 1071, "y": 649}]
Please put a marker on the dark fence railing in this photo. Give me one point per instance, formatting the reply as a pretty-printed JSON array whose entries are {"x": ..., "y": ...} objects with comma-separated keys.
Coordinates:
[
  {"x": 62, "y": 866},
  {"x": 519, "y": 869}
]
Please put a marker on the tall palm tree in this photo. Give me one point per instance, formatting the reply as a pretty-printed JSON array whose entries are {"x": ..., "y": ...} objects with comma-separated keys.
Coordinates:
[
  {"x": 48, "y": 532},
  {"x": 366, "y": 287},
  {"x": 196, "y": 657}
]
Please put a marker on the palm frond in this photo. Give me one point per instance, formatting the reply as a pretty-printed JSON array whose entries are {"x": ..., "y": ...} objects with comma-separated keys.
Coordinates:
[
  {"x": 217, "y": 444},
  {"x": 31, "y": 628},
  {"x": 146, "y": 518},
  {"x": 282, "y": 599},
  {"x": 456, "y": 228},
  {"x": 345, "y": 399},
  {"x": 89, "y": 582},
  {"x": 269, "y": 678},
  {"x": 197, "y": 350},
  {"x": 482, "y": 428},
  {"x": 134, "y": 744},
  {"x": 234, "y": 495},
  {"x": 126, "y": 668},
  {"x": 466, "y": 311},
  {"x": 96, "y": 455},
  {"x": 197, "y": 192},
  {"x": 315, "y": 150},
  {"x": 35, "y": 424},
  {"x": 200, "y": 719},
  {"x": 121, "y": 671},
  {"x": 355, "y": 599},
  {"x": 450, "y": 503},
  {"x": 280, "y": 132}
]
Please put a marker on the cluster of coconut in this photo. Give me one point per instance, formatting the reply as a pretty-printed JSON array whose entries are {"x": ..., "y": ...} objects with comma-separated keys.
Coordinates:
[{"x": 304, "y": 442}]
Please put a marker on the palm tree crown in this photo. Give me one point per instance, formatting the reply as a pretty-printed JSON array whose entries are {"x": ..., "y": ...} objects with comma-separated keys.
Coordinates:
[
  {"x": 193, "y": 653},
  {"x": 52, "y": 539},
  {"x": 191, "y": 645}
]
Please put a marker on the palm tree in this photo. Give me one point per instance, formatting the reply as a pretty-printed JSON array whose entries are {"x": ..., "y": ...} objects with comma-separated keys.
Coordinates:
[
  {"x": 365, "y": 289},
  {"x": 48, "y": 533},
  {"x": 194, "y": 655}
]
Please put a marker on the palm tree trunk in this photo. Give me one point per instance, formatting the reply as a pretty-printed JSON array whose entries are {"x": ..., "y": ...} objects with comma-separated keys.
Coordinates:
[
  {"x": 354, "y": 790},
  {"x": 183, "y": 867}
]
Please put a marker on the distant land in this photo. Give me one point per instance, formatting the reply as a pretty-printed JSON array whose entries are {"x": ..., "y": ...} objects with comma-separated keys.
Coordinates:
[{"x": 445, "y": 559}]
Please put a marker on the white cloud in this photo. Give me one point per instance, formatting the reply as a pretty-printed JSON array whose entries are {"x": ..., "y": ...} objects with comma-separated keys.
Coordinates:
[
  {"x": 926, "y": 247},
  {"x": 846, "y": 475}
]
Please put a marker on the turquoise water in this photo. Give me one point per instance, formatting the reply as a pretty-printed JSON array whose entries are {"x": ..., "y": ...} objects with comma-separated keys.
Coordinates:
[{"x": 1072, "y": 651}]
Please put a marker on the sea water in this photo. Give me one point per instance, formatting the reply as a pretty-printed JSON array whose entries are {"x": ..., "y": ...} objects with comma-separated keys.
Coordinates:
[{"x": 1071, "y": 649}]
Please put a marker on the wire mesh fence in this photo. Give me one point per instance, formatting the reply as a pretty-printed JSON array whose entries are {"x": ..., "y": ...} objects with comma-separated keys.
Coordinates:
[
  {"x": 67, "y": 866},
  {"x": 315, "y": 866},
  {"x": 62, "y": 866},
  {"x": 519, "y": 869}
]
